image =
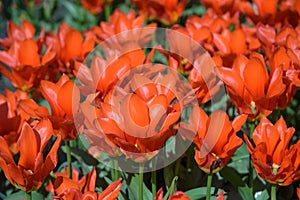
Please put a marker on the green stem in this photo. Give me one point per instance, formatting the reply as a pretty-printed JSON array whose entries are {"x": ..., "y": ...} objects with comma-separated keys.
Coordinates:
[
  {"x": 177, "y": 166},
  {"x": 208, "y": 186},
  {"x": 69, "y": 159},
  {"x": 252, "y": 127},
  {"x": 141, "y": 178},
  {"x": 116, "y": 165},
  {"x": 153, "y": 177},
  {"x": 112, "y": 172},
  {"x": 273, "y": 192},
  {"x": 28, "y": 196},
  {"x": 107, "y": 12},
  {"x": 250, "y": 178}
]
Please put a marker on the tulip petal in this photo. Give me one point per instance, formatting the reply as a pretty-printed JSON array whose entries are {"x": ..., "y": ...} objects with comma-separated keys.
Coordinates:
[
  {"x": 238, "y": 122},
  {"x": 49, "y": 91},
  {"x": 256, "y": 77},
  {"x": 29, "y": 146},
  {"x": 68, "y": 98},
  {"x": 112, "y": 191},
  {"x": 276, "y": 86},
  {"x": 7, "y": 59}
]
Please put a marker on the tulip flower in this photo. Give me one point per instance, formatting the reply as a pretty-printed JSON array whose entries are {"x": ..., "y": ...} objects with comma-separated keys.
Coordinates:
[
  {"x": 103, "y": 74},
  {"x": 12, "y": 117},
  {"x": 70, "y": 46},
  {"x": 65, "y": 188},
  {"x": 131, "y": 26},
  {"x": 290, "y": 77},
  {"x": 28, "y": 67},
  {"x": 290, "y": 5},
  {"x": 298, "y": 192},
  {"x": 212, "y": 32},
  {"x": 221, "y": 7},
  {"x": 266, "y": 11},
  {"x": 63, "y": 98},
  {"x": 179, "y": 195},
  {"x": 166, "y": 12},
  {"x": 33, "y": 165},
  {"x": 15, "y": 33},
  {"x": 252, "y": 90},
  {"x": 75, "y": 178},
  {"x": 220, "y": 196},
  {"x": 94, "y": 6},
  {"x": 141, "y": 124},
  {"x": 273, "y": 159},
  {"x": 216, "y": 140}
]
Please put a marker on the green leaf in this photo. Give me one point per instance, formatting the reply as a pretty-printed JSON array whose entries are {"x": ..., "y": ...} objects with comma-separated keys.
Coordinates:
[
  {"x": 16, "y": 196},
  {"x": 261, "y": 195},
  {"x": 172, "y": 189},
  {"x": 232, "y": 176},
  {"x": 133, "y": 191},
  {"x": 200, "y": 192},
  {"x": 20, "y": 195},
  {"x": 240, "y": 160},
  {"x": 245, "y": 193}
]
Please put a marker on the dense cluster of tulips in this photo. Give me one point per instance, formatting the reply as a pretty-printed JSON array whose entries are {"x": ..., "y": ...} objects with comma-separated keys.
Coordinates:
[{"x": 255, "y": 49}]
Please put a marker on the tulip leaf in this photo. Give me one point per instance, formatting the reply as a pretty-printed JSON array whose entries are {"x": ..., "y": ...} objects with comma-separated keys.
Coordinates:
[
  {"x": 232, "y": 176},
  {"x": 21, "y": 195},
  {"x": 261, "y": 195},
  {"x": 200, "y": 192},
  {"x": 245, "y": 193},
  {"x": 133, "y": 189},
  {"x": 172, "y": 189}
]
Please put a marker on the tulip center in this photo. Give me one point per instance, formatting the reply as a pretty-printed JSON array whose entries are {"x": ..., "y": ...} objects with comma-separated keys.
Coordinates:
[
  {"x": 275, "y": 168},
  {"x": 216, "y": 163},
  {"x": 253, "y": 107}
]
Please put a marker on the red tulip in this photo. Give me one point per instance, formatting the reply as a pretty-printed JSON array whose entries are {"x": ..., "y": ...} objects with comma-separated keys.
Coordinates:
[
  {"x": 220, "y": 6},
  {"x": 132, "y": 126},
  {"x": 131, "y": 26},
  {"x": 80, "y": 182},
  {"x": 291, "y": 77},
  {"x": 32, "y": 168},
  {"x": 19, "y": 34},
  {"x": 216, "y": 140},
  {"x": 220, "y": 196},
  {"x": 12, "y": 117},
  {"x": 298, "y": 192},
  {"x": 94, "y": 6},
  {"x": 166, "y": 11},
  {"x": 266, "y": 10},
  {"x": 70, "y": 46},
  {"x": 65, "y": 188},
  {"x": 272, "y": 158},
  {"x": 63, "y": 98},
  {"x": 27, "y": 64},
  {"x": 251, "y": 88},
  {"x": 179, "y": 195}
]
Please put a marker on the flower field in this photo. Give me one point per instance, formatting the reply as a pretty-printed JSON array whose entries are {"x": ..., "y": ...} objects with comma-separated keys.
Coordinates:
[{"x": 149, "y": 99}]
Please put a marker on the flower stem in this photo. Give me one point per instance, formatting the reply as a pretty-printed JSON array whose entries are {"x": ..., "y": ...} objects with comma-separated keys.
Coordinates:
[
  {"x": 112, "y": 172},
  {"x": 69, "y": 160},
  {"x": 116, "y": 173},
  {"x": 273, "y": 192},
  {"x": 153, "y": 177},
  {"x": 177, "y": 166},
  {"x": 208, "y": 186},
  {"x": 250, "y": 177},
  {"x": 28, "y": 196},
  {"x": 107, "y": 12},
  {"x": 141, "y": 178}
]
